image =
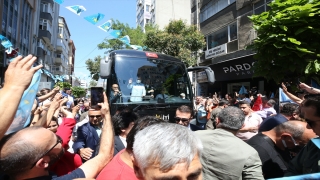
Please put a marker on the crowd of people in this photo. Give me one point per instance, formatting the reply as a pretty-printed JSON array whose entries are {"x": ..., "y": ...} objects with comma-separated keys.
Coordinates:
[{"x": 231, "y": 139}]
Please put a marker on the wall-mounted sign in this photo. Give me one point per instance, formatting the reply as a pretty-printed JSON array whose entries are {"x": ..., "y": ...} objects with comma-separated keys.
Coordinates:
[
  {"x": 202, "y": 77},
  {"x": 241, "y": 68},
  {"x": 216, "y": 51}
]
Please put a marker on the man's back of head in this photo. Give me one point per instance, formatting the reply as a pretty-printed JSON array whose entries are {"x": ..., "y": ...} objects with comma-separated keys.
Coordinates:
[
  {"x": 167, "y": 150},
  {"x": 18, "y": 151},
  {"x": 231, "y": 118}
]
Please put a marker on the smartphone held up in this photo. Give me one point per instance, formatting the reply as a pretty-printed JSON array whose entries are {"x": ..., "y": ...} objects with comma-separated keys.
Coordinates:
[{"x": 96, "y": 95}]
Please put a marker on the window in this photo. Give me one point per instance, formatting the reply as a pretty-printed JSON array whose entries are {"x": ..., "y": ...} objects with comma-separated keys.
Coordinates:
[
  {"x": 44, "y": 7},
  {"x": 213, "y": 7},
  {"x": 222, "y": 36},
  {"x": 261, "y": 6},
  {"x": 147, "y": 8},
  {"x": 44, "y": 25},
  {"x": 4, "y": 17},
  {"x": 60, "y": 30}
]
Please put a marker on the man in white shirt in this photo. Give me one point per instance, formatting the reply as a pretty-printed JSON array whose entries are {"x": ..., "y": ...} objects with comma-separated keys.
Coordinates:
[
  {"x": 138, "y": 90},
  {"x": 251, "y": 123}
]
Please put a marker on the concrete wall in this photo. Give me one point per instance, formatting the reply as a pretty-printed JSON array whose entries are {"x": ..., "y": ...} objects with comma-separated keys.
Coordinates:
[{"x": 166, "y": 10}]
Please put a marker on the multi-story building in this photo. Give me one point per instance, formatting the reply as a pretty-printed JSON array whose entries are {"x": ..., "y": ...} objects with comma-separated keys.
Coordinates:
[
  {"x": 71, "y": 59},
  {"x": 228, "y": 31},
  {"x": 61, "y": 61},
  {"x": 160, "y": 12},
  {"x": 46, "y": 43},
  {"x": 19, "y": 24}
]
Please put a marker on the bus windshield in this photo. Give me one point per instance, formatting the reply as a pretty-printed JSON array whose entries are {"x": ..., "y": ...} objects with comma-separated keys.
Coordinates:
[{"x": 149, "y": 81}]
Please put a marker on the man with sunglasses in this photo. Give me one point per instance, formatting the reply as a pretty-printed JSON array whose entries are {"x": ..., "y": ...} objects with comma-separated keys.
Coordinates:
[
  {"x": 184, "y": 116},
  {"x": 307, "y": 161},
  {"x": 88, "y": 135}
]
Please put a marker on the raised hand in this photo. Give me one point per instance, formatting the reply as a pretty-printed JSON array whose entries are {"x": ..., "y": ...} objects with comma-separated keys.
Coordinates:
[{"x": 20, "y": 72}]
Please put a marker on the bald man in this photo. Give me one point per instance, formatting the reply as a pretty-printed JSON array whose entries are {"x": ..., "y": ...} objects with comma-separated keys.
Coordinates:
[
  {"x": 279, "y": 145},
  {"x": 29, "y": 153}
]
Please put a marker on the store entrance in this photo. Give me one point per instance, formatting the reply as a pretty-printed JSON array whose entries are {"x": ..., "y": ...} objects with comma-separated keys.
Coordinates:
[{"x": 235, "y": 87}]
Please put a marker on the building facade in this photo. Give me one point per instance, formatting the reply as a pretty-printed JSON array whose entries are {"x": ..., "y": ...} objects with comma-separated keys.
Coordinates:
[
  {"x": 160, "y": 12},
  {"x": 61, "y": 63},
  {"x": 19, "y": 22},
  {"x": 46, "y": 41},
  {"x": 228, "y": 31},
  {"x": 71, "y": 59}
]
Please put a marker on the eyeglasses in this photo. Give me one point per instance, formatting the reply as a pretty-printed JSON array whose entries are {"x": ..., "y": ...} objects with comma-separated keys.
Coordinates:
[
  {"x": 97, "y": 116},
  {"x": 311, "y": 123},
  {"x": 178, "y": 119},
  {"x": 59, "y": 140}
]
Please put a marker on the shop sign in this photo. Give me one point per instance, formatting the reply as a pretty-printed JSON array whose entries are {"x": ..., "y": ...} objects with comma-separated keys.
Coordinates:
[
  {"x": 216, "y": 51},
  {"x": 236, "y": 69}
]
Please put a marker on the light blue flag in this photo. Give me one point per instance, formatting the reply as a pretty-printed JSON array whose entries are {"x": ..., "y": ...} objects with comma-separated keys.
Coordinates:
[
  {"x": 125, "y": 39},
  {"x": 94, "y": 19},
  {"x": 115, "y": 33},
  {"x": 77, "y": 9},
  {"x": 59, "y": 78},
  {"x": 243, "y": 90},
  {"x": 22, "y": 117},
  {"x": 283, "y": 97},
  {"x": 5, "y": 42},
  {"x": 272, "y": 95},
  {"x": 59, "y": 1},
  {"x": 106, "y": 26},
  {"x": 300, "y": 177},
  {"x": 136, "y": 47}
]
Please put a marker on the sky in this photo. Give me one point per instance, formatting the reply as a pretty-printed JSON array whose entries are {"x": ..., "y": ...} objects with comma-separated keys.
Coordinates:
[{"x": 87, "y": 36}]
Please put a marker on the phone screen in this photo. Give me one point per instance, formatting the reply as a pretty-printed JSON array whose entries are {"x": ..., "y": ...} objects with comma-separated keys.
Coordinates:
[{"x": 96, "y": 95}]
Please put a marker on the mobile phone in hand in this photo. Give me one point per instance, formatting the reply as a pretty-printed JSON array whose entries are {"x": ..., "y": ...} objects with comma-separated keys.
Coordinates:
[{"x": 96, "y": 95}]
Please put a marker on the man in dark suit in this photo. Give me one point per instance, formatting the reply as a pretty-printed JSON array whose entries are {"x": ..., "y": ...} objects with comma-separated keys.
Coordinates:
[
  {"x": 89, "y": 136},
  {"x": 122, "y": 124},
  {"x": 184, "y": 116}
]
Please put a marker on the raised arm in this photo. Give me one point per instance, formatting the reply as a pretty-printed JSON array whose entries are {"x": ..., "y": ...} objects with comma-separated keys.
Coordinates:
[
  {"x": 17, "y": 79},
  {"x": 92, "y": 167},
  {"x": 291, "y": 96},
  {"x": 50, "y": 94},
  {"x": 309, "y": 89}
]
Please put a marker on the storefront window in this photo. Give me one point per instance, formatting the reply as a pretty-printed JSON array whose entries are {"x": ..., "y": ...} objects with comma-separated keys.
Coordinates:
[
  {"x": 233, "y": 31},
  {"x": 222, "y": 36}
]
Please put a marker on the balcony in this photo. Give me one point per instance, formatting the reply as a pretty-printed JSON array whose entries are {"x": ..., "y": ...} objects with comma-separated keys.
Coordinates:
[
  {"x": 41, "y": 52},
  {"x": 45, "y": 15},
  {"x": 48, "y": 1},
  {"x": 59, "y": 48},
  {"x": 58, "y": 60},
  {"x": 45, "y": 35}
]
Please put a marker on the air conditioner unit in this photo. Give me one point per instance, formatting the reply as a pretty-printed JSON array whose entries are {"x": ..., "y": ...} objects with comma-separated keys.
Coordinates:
[
  {"x": 140, "y": 2},
  {"x": 152, "y": 8}
]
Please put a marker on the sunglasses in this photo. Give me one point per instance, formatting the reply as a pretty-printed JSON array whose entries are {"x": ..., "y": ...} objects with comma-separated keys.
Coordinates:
[
  {"x": 97, "y": 116},
  {"x": 59, "y": 140},
  {"x": 177, "y": 119}
]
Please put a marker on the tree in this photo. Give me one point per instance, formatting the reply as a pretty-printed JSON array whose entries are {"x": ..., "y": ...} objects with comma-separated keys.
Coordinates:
[
  {"x": 287, "y": 45},
  {"x": 63, "y": 85},
  {"x": 93, "y": 83},
  {"x": 78, "y": 91},
  {"x": 94, "y": 67},
  {"x": 136, "y": 37},
  {"x": 178, "y": 40}
]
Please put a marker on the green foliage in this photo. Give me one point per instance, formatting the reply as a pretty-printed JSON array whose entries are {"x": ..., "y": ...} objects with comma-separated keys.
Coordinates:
[
  {"x": 287, "y": 45},
  {"x": 178, "y": 40},
  {"x": 94, "y": 67},
  {"x": 63, "y": 85},
  {"x": 93, "y": 83},
  {"x": 78, "y": 91}
]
